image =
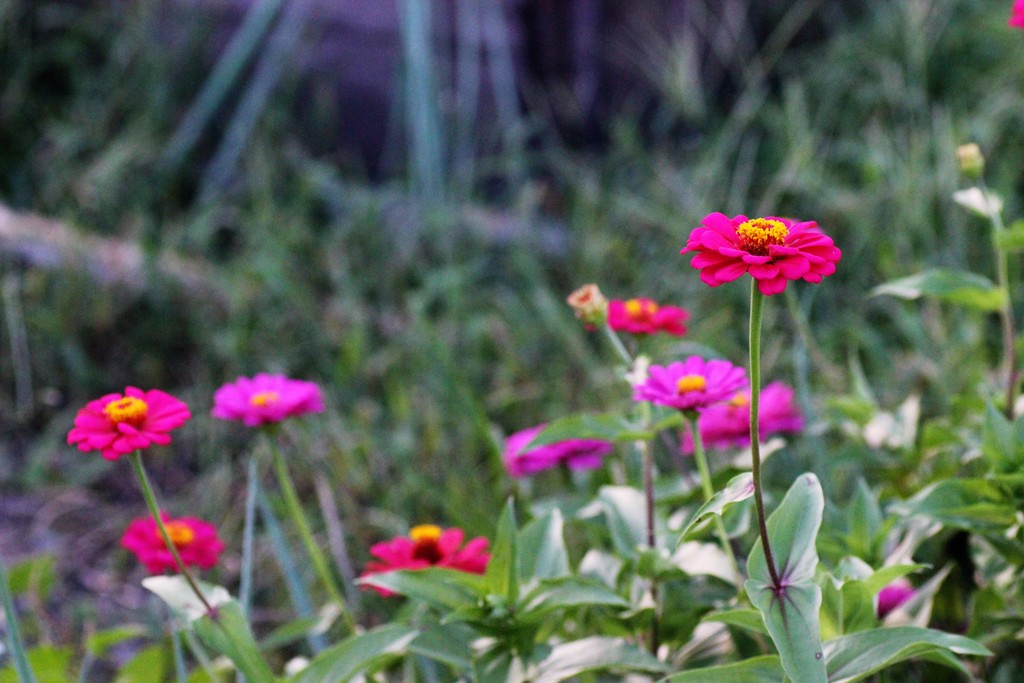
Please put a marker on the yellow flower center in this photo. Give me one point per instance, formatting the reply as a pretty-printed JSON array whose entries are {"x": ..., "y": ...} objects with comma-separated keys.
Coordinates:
[
  {"x": 128, "y": 409},
  {"x": 425, "y": 533},
  {"x": 264, "y": 398},
  {"x": 640, "y": 308},
  {"x": 691, "y": 383},
  {"x": 181, "y": 534},
  {"x": 739, "y": 400},
  {"x": 757, "y": 234}
]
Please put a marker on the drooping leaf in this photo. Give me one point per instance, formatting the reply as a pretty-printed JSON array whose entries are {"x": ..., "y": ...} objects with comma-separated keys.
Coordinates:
[
  {"x": 790, "y": 610},
  {"x": 975, "y": 504},
  {"x": 228, "y": 633},
  {"x": 859, "y": 655},
  {"x": 542, "y": 553},
  {"x": 738, "y": 489},
  {"x": 568, "y": 591},
  {"x": 443, "y": 588},
  {"x": 596, "y": 653},
  {"x": 956, "y": 287},
  {"x": 766, "y": 669},
  {"x": 502, "y": 574},
  {"x": 179, "y": 596},
  {"x": 358, "y": 654}
]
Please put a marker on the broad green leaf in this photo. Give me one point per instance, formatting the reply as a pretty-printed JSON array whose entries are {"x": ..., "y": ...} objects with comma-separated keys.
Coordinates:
[
  {"x": 149, "y": 664},
  {"x": 568, "y": 591},
  {"x": 973, "y": 504},
  {"x": 956, "y": 287},
  {"x": 228, "y": 633},
  {"x": 624, "y": 509},
  {"x": 542, "y": 553},
  {"x": 49, "y": 664},
  {"x": 886, "y": 575},
  {"x": 443, "y": 588},
  {"x": 99, "y": 642},
  {"x": 34, "y": 574},
  {"x": 1012, "y": 239},
  {"x": 791, "y": 611},
  {"x": 859, "y": 655},
  {"x": 743, "y": 617},
  {"x": 999, "y": 442},
  {"x": 738, "y": 489},
  {"x": 357, "y": 654},
  {"x": 449, "y": 644},
  {"x": 594, "y": 654},
  {"x": 608, "y": 427},
  {"x": 864, "y": 516},
  {"x": 846, "y": 607},
  {"x": 502, "y": 574},
  {"x": 766, "y": 669}
]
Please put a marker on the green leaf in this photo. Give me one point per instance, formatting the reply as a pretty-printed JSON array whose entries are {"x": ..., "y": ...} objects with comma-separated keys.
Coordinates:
[
  {"x": 448, "y": 644},
  {"x": 608, "y": 427},
  {"x": 502, "y": 569},
  {"x": 228, "y": 633},
  {"x": 846, "y": 607},
  {"x": 738, "y": 489},
  {"x": 999, "y": 444},
  {"x": 297, "y": 629},
  {"x": 791, "y": 611},
  {"x": 956, "y": 287},
  {"x": 973, "y": 504},
  {"x": 594, "y": 654},
  {"x": 359, "y": 653},
  {"x": 49, "y": 664},
  {"x": 568, "y": 591},
  {"x": 99, "y": 642},
  {"x": 542, "y": 553},
  {"x": 446, "y": 589},
  {"x": 857, "y": 656},
  {"x": 624, "y": 510},
  {"x": 1012, "y": 239},
  {"x": 766, "y": 669},
  {"x": 148, "y": 664},
  {"x": 743, "y": 617},
  {"x": 34, "y": 574}
]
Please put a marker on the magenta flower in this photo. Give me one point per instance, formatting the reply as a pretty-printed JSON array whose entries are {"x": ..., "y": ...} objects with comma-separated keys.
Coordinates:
[
  {"x": 117, "y": 424},
  {"x": 577, "y": 454},
  {"x": 773, "y": 250},
  {"x": 894, "y": 595},
  {"x": 644, "y": 316},
  {"x": 691, "y": 385},
  {"x": 428, "y": 546},
  {"x": 265, "y": 399},
  {"x": 196, "y": 541},
  {"x": 727, "y": 425},
  {"x": 1017, "y": 15}
]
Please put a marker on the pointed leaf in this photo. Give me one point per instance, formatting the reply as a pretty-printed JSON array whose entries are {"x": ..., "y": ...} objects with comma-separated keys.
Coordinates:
[
  {"x": 607, "y": 427},
  {"x": 767, "y": 669},
  {"x": 569, "y": 591},
  {"x": 446, "y": 589},
  {"x": 359, "y": 653},
  {"x": 502, "y": 569},
  {"x": 791, "y": 611},
  {"x": 857, "y": 656},
  {"x": 228, "y": 633},
  {"x": 974, "y": 504},
  {"x": 999, "y": 442},
  {"x": 743, "y": 617},
  {"x": 448, "y": 644},
  {"x": 542, "y": 553},
  {"x": 956, "y": 287},
  {"x": 594, "y": 654},
  {"x": 738, "y": 489},
  {"x": 179, "y": 596},
  {"x": 624, "y": 510}
]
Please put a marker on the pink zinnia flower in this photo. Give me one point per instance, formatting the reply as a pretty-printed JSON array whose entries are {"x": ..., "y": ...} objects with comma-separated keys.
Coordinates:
[
  {"x": 1017, "y": 15},
  {"x": 428, "y": 546},
  {"x": 691, "y": 385},
  {"x": 577, "y": 454},
  {"x": 265, "y": 399},
  {"x": 644, "y": 316},
  {"x": 773, "y": 250},
  {"x": 197, "y": 543},
  {"x": 118, "y": 424},
  {"x": 727, "y": 425},
  {"x": 894, "y": 595}
]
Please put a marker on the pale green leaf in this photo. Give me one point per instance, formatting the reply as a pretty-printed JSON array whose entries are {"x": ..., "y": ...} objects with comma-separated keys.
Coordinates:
[
  {"x": 956, "y": 287},
  {"x": 357, "y": 654}
]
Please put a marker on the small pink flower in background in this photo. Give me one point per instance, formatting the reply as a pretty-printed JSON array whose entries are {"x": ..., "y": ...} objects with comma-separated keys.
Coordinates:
[
  {"x": 426, "y": 546},
  {"x": 727, "y": 425},
  {"x": 644, "y": 316},
  {"x": 577, "y": 454},
  {"x": 894, "y": 595},
  {"x": 691, "y": 385},
  {"x": 197, "y": 543},
  {"x": 117, "y": 424},
  {"x": 1017, "y": 15},
  {"x": 773, "y": 250},
  {"x": 265, "y": 399},
  {"x": 589, "y": 305}
]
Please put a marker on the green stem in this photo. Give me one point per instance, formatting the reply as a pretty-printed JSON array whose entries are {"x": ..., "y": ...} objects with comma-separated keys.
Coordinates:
[
  {"x": 1006, "y": 312},
  {"x": 617, "y": 344},
  {"x": 17, "y": 646},
  {"x": 756, "y": 314},
  {"x": 291, "y": 500},
  {"x": 154, "y": 511},
  {"x": 709, "y": 491}
]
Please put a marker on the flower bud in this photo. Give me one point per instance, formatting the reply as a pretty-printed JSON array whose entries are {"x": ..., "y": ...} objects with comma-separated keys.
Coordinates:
[
  {"x": 971, "y": 160},
  {"x": 589, "y": 304}
]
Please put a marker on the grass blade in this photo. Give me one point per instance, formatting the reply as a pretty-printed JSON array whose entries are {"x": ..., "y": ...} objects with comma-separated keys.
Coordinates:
[{"x": 21, "y": 666}]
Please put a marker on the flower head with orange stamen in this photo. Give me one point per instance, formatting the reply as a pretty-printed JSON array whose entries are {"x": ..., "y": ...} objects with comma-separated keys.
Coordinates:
[
  {"x": 645, "y": 316},
  {"x": 727, "y": 425},
  {"x": 196, "y": 541},
  {"x": 576, "y": 454},
  {"x": 691, "y": 385},
  {"x": 117, "y": 424},
  {"x": 428, "y": 545},
  {"x": 266, "y": 399}
]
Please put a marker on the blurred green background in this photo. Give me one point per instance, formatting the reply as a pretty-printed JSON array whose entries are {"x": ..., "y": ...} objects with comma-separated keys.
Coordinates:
[{"x": 426, "y": 294}]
